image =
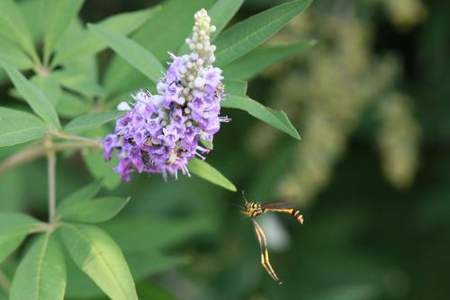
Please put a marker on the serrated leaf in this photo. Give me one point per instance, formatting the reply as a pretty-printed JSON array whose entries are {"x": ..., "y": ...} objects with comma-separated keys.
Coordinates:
[
  {"x": 88, "y": 43},
  {"x": 262, "y": 57},
  {"x": 13, "y": 27},
  {"x": 93, "y": 210},
  {"x": 41, "y": 275},
  {"x": 235, "y": 87},
  {"x": 91, "y": 121},
  {"x": 13, "y": 54},
  {"x": 136, "y": 55},
  {"x": 96, "y": 254},
  {"x": 252, "y": 32},
  {"x": 120, "y": 78},
  {"x": 220, "y": 13},
  {"x": 14, "y": 227},
  {"x": 205, "y": 171},
  {"x": 277, "y": 119},
  {"x": 33, "y": 95},
  {"x": 59, "y": 15},
  {"x": 19, "y": 127}
]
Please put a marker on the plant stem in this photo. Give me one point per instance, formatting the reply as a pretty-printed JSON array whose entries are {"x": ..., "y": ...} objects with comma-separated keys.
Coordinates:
[
  {"x": 71, "y": 137},
  {"x": 5, "y": 284},
  {"x": 38, "y": 150},
  {"x": 51, "y": 167}
]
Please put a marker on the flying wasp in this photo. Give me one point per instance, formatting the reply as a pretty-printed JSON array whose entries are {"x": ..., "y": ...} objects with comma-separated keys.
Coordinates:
[{"x": 253, "y": 209}]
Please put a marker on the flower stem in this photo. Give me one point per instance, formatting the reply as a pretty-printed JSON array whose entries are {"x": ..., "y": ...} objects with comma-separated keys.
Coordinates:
[{"x": 51, "y": 167}]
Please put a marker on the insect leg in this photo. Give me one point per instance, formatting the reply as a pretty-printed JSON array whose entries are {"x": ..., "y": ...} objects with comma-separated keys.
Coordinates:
[{"x": 264, "y": 252}]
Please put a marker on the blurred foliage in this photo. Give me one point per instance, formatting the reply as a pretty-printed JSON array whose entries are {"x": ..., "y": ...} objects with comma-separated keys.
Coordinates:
[{"x": 377, "y": 81}]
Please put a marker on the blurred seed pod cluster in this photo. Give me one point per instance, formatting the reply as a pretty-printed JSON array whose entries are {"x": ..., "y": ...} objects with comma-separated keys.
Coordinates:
[
  {"x": 398, "y": 138},
  {"x": 327, "y": 91}
]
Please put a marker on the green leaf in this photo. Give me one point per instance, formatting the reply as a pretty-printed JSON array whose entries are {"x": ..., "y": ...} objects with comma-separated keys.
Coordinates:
[
  {"x": 136, "y": 55},
  {"x": 85, "y": 193},
  {"x": 220, "y": 13},
  {"x": 235, "y": 87},
  {"x": 19, "y": 127},
  {"x": 14, "y": 227},
  {"x": 252, "y": 32},
  {"x": 91, "y": 121},
  {"x": 203, "y": 170},
  {"x": 80, "y": 287},
  {"x": 120, "y": 78},
  {"x": 59, "y": 15},
  {"x": 32, "y": 11},
  {"x": 93, "y": 210},
  {"x": 166, "y": 233},
  {"x": 102, "y": 169},
  {"x": 88, "y": 43},
  {"x": 96, "y": 254},
  {"x": 71, "y": 105},
  {"x": 41, "y": 275},
  {"x": 35, "y": 97},
  {"x": 79, "y": 82},
  {"x": 13, "y": 54},
  {"x": 262, "y": 57},
  {"x": 14, "y": 28},
  {"x": 277, "y": 119},
  {"x": 49, "y": 86}
]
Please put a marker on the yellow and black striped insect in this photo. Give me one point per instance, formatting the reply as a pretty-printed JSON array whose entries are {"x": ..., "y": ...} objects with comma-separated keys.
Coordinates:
[{"x": 254, "y": 209}]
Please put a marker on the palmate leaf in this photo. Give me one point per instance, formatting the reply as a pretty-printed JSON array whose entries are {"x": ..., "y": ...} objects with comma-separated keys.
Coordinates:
[
  {"x": 136, "y": 55},
  {"x": 146, "y": 256},
  {"x": 13, "y": 54},
  {"x": 252, "y": 32},
  {"x": 14, "y": 227},
  {"x": 277, "y": 119},
  {"x": 33, "y": 95},
  {"x": 49, "y": 85},
  {"x": 14, "y": 27},
  {"x": 235, "y": 87},
  {"x": 19, "y": 127},
  {"x": 71, "y": 105},
  {"x": 142, "y": 265},
  {"x": 96, "y": 254},
  {"x": 91, "y": 121},
  {"x": 262, "y": 57},
  {"x": 101, "y": 169},
  {"x": 87, "y": 43},
  {"x": 79, "y": 82},
  {"x": 120, "y": 78},
  {"x": 205, "y": 171},
  {"x": 41, "y": 275},
  {"x": 81, "y": 206},
  {"x": 59, "y": 15}
]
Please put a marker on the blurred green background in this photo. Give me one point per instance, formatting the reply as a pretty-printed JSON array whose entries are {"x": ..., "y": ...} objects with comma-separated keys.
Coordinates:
[{"x": 371, "y": 175}]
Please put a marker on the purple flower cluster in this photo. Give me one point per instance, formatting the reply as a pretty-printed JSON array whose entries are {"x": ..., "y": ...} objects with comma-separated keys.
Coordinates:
[{"x": 162, "y": 133}]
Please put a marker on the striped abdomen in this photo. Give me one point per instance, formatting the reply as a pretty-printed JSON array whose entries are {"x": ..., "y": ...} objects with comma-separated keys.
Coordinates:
[{"x": 292, "y": 211}]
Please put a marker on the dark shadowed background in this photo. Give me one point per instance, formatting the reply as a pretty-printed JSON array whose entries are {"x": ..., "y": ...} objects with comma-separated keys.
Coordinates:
[{"x": 372, "y": 173}]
